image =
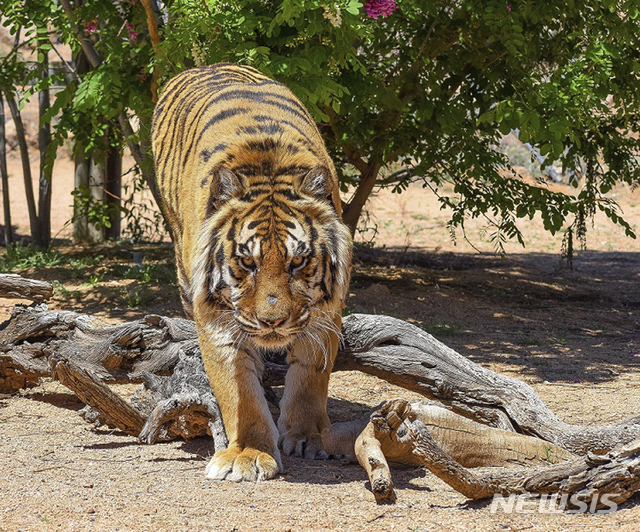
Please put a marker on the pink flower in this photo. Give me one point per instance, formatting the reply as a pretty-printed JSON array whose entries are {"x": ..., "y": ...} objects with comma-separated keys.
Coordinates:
[
  {"x": 380, "y": 8},
  {"x": 133, "y": 35},
  {"x": 90, "y": 27}
]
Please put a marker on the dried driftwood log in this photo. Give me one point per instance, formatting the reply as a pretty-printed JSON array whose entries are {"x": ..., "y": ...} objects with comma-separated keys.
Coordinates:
[
  {"x": 407, "y": 356},
  {"x": 14, "y": 286},
  {"x": 481, "y": 406},
  {"x": 380, "y": 345},
  {"x": 616, "y": 474},
  {"x": 471, "y": 444},
  {"x": 85, "y": 354}
]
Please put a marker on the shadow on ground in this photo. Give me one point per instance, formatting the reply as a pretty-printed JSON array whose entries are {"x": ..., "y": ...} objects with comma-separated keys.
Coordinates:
[{"x": 556, "y": 323}]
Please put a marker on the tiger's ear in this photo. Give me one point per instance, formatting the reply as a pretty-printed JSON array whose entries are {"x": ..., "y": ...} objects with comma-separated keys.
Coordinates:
[
  {"x": 226, "y": 185},
  {"x": 317, "y": 182}
]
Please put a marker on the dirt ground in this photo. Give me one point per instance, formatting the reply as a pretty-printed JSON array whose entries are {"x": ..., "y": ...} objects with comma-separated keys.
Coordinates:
[{"x": 574, "y": 335}]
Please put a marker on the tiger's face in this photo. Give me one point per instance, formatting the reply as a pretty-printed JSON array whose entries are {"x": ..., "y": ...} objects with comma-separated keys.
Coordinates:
[
  {"x": 277, "y": 262},
  {"x": 274, "y": 279}
]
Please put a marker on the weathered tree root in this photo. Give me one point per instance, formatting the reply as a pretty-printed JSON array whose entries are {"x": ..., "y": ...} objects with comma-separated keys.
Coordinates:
[
  {"x": 387, "y": 347},
  {"x": 163, "y": 354},
  {"x": 616, "y": 474},
  {"x": 407, "y": 356},
  {"x": 14, "y": 286},
  {"x": 376, "y": 442},
  {"x": 84, "y": 354},
  {"x": 184, "y": 403},
  {"x": 94, "y": 393}
]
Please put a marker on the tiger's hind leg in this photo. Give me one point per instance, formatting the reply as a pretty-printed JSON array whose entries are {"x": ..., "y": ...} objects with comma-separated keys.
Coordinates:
[{"x": 303, "y": 408}]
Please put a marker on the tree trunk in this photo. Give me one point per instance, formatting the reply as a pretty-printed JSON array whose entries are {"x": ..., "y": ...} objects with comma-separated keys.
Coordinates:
[
  {"x": 4, "y": 174},
  {"x": 86, "y": 173},
  {"x": 81, "y": 184},
  {"x": 113, "y": 192},
  {"x": 139, "y": 150},
  {"x": 26, "y": 166},
  {"x": 150, "y": 9},
  {"x": 46, "y": 170},
  {"x": 91, "y": 185},
  {"x": 353, "y": 209},
  {"x": 97, "y": 187}
]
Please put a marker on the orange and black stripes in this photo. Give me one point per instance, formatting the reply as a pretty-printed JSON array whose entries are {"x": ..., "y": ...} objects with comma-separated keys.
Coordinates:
[
  {"x": 263, "y": 256},
  {"x": 233, "y": 119}
]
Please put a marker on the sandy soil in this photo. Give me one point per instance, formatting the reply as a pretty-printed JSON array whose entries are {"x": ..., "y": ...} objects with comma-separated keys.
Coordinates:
[{"x": 574, "y": 335}]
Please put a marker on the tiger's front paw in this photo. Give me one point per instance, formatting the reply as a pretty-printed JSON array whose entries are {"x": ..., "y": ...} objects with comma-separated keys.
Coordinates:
[
  {"x": 306, "y": 446},
  {"x": 239, "y": 464}
]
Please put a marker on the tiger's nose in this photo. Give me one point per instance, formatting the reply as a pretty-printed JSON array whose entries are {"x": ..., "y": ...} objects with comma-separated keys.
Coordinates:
[{"x": 271, "y": 322}]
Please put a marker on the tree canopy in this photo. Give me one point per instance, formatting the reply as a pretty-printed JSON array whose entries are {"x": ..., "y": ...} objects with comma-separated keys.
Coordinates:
[{"x": 402, "y": 91}]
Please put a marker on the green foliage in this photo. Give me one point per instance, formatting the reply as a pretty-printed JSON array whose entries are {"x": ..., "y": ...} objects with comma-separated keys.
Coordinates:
[
  {"x": 432, "y": 89},
  {"x": 149, "y": 272},
  {"x": 424, "y": 94},
  {"x": 20, "y": 257},
  {"x": 142, "y": 222},
  {"x": 97, "y": 212},
  {"x": 137, "y": 296},
  {"x": 88, "y": 109}
]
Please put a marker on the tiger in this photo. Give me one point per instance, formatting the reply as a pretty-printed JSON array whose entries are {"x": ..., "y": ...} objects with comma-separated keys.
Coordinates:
[{"x": 263, "y": 257}]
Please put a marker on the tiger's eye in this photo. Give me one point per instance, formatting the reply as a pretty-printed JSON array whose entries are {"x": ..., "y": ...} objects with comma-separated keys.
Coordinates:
[
  {"x": 248, "y": 262},
  {"x": 297, "y": 261}
]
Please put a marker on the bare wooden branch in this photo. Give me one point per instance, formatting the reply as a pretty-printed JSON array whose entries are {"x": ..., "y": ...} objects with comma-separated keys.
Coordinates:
[
  {"x": 24, "y": 157},
  {"x": 182, "y": 405},
  {"x": 468, "y": 443},
  {"x": 616, "y": 474},
  {"x": 43, "y": 238},
  {"x": 370, "y": 456},
  {"x": 115, "y": 353},
  {"x": 407, "y": 356},
  {"x": 163, "y": 353},
  {"x": 463, "y": 439},
  {"x": 14, "y": 286},
  {"x": 88, "y": 386},
  {"x": 84, "y": 353}
]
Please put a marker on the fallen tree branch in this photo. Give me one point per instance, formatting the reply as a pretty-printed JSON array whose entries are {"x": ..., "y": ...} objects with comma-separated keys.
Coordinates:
[
  {"x": 94, "y": 393},
  {"x": 461, "y": 438},
  {"x": 386, "y": 347},
  {"x": 14, "y": 286},
  {"x": 368, "y": 450},
  {"x": 380, "y": 441},
  {"x": 407, "y": 356},
  {"x": 584, "y": 479}
]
